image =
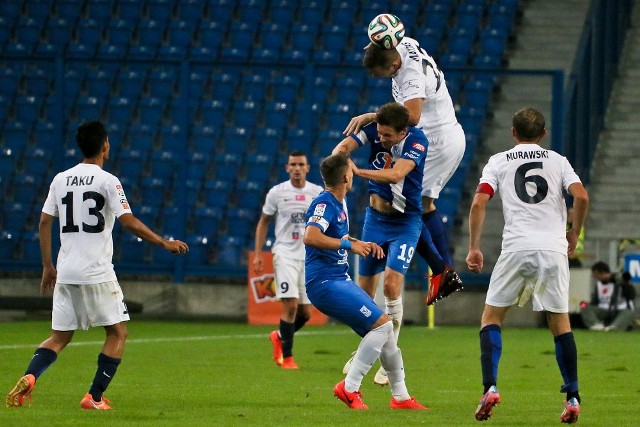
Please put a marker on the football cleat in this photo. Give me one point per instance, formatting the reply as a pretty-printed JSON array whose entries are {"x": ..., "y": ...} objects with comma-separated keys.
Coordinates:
[
  {"x": 442, "y": 285},
  {"x": 288, "y": 363},
  {"x": 347, "y": 366},
  {"x": 490, "y": 399},
  {"x": 411, "y": 403},
  {"x": 353, "y": 400},
  {"x": 381, "y": 377},
  {"x": 21, "y": 391},
  {"x": 274, "y": 337},
  {"x": 571, "y": 411},
  {"x": 87, "y": 402}
]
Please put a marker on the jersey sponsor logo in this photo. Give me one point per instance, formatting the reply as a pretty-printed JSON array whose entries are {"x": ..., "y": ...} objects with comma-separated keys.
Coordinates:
[
  {"x": 364, "y": 310},
  {"x": 315, "y": 218},
  {"x": 319, "y": 209},
  {"x": 383, "y": 160},
  {"x": 295, "y": 235},
  {"x": 300, "y": 197},
  {"x": 419, "y": 146},
  {"x": 297, "y": 218}
]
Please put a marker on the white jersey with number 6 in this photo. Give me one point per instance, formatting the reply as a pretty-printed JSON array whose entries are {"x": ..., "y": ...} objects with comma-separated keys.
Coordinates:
[
  {"x": 531, "y": 180},
  {"x": 87, "y": 201}
]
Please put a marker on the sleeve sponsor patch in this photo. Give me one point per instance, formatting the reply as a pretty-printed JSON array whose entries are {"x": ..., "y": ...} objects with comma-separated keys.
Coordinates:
[
  {"x": 419, "y": 146},
  {"x": 319, "y": 209}
]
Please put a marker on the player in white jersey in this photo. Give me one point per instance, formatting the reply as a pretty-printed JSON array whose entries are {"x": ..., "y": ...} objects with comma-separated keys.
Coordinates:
[
  {"x": 533, "y": 262},
  {"x": 420, "y": 86},
  {"x": 86, "y": 292},
  {"x": 288, "y": 202}
]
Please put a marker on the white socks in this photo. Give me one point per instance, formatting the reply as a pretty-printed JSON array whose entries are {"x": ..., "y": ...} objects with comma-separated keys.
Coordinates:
[
  {"x": 395, "y": 311},
  {"x": 368, "y": 351},
  {"x": 391, "y": 359}
]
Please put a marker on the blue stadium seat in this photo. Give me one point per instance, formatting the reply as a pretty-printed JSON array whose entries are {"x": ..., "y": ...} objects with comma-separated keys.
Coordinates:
[
  {"x": 249, "y": 194},
  {"x": 189, "y": 10},
  {"x": 298, "y": 139},
  {"x": 161, "y": 82},
  {"x": 492, "y": 42},
  {"x": 148, "y": 214},
  {"x": 282, "y": 12},
  {"x": 131, "y": 162},
  {"x": 312, "y": 12},
  {"x": 338, "y": 115},
  {"x": 303, "y": 36},
  {"x": 277, "y": 114},
  {"x": 213, "y": 112},
  {"x": 450, "y": 60},
  {"x": 223, "y": 86},
  {"x": 99, "y": 10},
  {"x": 501, "y": 17},
  {"x": 234, "y": 141},
  {"x": 163, "y": 165},
  {"x": 349, "y": 89},
  {"x": 120, "y": 32},
  {"x": 344, "y": 14},
  {"x": 14, "y": 216},
  {"x": 10, "y": 10},
  {"x": 150, "y": 32},
  {"x": 111, "y": 51},
  {"x": 327, "y": 56},
  {"x": 198, "y": 83},
  {"x": 172, "y": 221},
  {"x": 321, "y": 88},
  {"x": 98, "y": 83},
  {"x": 27, "y": 31},
  {"x": 199, "y": 250},
  {"x": 133, "y": 249},
  {"x": 159, "y": 10},
  {"x": 487, "y": 61},
  {"x": 26, "y": 188},
  {"x": 251, "y": 12},
  {"x": 245, "y": 113},
  {"x": 285, "y": 87},
  {"x": 241, "y": 222},
  {"x": 129, "y": 10},
  {"x": 268, "y": 140},
  {"x": 59, "y": 31},
  {"x": 216, "y": 193},
  {"x": 89, "y": 108},
  {"x": 273, "y": 36},
  {"x": 437, "y": 20},
  {"x": 8, "y": 163},
  {"x": 264, "y": 56},
  {"x": 204, "y": 137},
  {"x": 198, "y": 165},
  {"x": 120, "y": 109},
  {"x": 328, "y": 139},
  {"x": 461, "y": 41},
  {"x": 130, "y": 83},
  {"x": 71, "y": 157},
  {"x": 79, "y": 50},
  {"x": 45, "y": 136},
  {"x": 335, "y": 37},
  {"x": 151, "y": 110},
  {"x": 227, "y": 167},
  {"x": 211, "y": 33},
  {"x": 206, "y": 220},
  {"x": 295, "y": 56},
  {"x": 141, "y": 137},
  {"x": 16, "y": 133},
  {"x": 259, "y": 166},
  {"x": 254, "y": 87},
  {"x": 471, "y": 119},
  {"x": 469, "y": 16},
  {"x": 478, "y": 93},
  {"x": 27, "y": 108},
  {"x": 172, "y": 138},
  {"x": 30, "y": 244},
  {"x": 89, "y": 32},
  {"x": 192, "y": 191},
  {"x": 9, "y": 243},
  {"x": 229, "y": 250},
  {"x": 155, "y": 191},
  {"x": 234, "y": 54},
  {"x": 180, "y": 34}
]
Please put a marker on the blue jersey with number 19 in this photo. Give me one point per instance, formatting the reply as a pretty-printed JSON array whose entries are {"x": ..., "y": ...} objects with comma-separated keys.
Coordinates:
[
  {"x": 406, "y": 195},
  {"x": 331, "y": 217}
]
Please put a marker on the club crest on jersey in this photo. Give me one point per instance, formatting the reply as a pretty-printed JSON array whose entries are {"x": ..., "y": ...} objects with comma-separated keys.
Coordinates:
[
  {"x": 342, "y": 216},
  {"x": 295, "y": 235},
  {"x": 418, "y": 146},
  {"x": 364, "y": 310},
  {"x": 319, "y": 209},
  {"x": 300, "y": 197}
]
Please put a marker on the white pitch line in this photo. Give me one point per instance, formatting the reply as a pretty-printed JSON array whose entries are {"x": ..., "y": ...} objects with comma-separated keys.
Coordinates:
[{"x": 175, "y": 339}]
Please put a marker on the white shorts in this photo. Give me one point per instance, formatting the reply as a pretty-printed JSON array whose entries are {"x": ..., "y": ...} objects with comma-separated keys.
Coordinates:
[
  {"x": 445, "y": 152},
  {"x": 290, "y": 279},
  {"x": 542, "y": 276},
  {"x": 82, "y": 306}
]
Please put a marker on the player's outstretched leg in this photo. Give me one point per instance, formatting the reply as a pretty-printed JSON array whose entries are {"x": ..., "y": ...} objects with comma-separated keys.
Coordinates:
[{"x": 21, "y": 391}]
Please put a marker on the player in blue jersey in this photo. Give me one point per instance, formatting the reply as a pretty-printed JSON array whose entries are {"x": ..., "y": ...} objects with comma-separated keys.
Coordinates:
[
  {"x": 392, "y": 220},
  {"x": 332, "y": 291}
]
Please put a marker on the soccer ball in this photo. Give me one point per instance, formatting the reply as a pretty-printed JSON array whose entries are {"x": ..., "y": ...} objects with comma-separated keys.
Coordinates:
[{"x": 386, "y": 31}]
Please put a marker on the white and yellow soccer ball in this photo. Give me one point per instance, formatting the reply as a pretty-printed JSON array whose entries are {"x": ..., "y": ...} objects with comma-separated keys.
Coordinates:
[{"x": 386, "y": 31}]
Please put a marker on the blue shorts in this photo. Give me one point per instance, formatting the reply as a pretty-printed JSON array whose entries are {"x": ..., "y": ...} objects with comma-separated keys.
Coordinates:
[
  {"x": 397, "y": 234},
  {"x": 346, "y": 302}
]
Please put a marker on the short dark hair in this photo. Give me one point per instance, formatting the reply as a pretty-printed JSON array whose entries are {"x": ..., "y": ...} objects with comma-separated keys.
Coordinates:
[
  {"x": 528, "y": 124},
  {"x": 90, "y": 137},
  {"x": 333, "y": 168},
  {"x": 601, "y": 267},
  {"x": 377, "y": 57},
  {"x": 297, "y": 153},
  {"x": 394, "y": 115}
]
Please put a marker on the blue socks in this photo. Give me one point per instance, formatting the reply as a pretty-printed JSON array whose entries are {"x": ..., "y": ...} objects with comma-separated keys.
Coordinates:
[
  {"x": 433, "y": 221},
  {"x": 567, "y": 358},
  {"x": 42, "y": 359},
  {"x": 490, "y": 352},
  {"x": 427, "y": 250},
  {"x": 107, "y": 367}
]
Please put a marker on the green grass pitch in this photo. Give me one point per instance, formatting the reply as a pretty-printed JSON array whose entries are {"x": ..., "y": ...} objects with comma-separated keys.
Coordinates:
[{"x": 221, "y": 374}]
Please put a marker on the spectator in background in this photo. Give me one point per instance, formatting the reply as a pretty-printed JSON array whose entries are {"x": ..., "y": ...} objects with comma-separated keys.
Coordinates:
[
  {"x": 611, "y": 307},
  {"x": 86, "y": 292},
  {"x": 288, "y": 201}
]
